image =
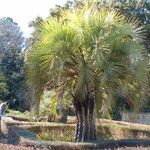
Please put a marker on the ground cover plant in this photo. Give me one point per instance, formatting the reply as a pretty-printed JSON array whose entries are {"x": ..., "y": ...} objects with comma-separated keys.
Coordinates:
[{"x": 105, "y": 131}]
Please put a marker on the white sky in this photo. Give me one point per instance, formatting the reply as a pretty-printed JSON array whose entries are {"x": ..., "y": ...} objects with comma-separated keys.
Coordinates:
[{"x": 24, "y": 11}]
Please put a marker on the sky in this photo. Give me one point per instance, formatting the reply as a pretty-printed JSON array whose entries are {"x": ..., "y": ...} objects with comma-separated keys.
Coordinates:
[{"x": 24, "y": 11}]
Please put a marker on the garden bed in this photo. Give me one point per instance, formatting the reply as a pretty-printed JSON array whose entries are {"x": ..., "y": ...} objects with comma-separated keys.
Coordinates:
[
  {"x": 106, "y": 129},
  {"x": 118, "y": 135}
]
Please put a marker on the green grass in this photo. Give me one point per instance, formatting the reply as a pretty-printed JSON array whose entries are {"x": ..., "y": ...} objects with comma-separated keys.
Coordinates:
[
  {"x": 56, "y": 137},
  {"x": 24, "y": 115}
]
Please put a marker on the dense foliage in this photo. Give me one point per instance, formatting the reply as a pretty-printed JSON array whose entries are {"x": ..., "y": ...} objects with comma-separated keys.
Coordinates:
[{"x": 11, "y": 63}]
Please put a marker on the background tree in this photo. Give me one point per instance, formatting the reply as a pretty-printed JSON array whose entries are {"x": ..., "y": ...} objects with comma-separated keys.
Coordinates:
[
  {"x": 3, "y": 87},
  {"x": 90, "y": 53},
  {"x": 11, "y": 61},
  {"x": 10, "y": 36}
]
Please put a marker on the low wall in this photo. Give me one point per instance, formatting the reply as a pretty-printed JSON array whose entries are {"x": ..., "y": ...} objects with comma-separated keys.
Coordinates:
[
  {"x": 30, "y": 140},
  {"x": 110, "y": 144},
  {"x": 17, "y": 135},
  {"x": 143, "y": 118}
]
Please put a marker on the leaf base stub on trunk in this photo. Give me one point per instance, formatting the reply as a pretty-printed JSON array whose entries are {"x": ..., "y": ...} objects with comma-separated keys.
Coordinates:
[{"x": 86, "y": 128}]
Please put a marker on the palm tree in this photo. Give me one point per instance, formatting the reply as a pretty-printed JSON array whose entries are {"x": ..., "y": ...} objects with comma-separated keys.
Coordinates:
[{"x": 90, "y": 53}]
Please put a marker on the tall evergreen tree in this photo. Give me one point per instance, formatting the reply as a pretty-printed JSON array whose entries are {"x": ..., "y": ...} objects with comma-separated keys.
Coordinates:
[{"x": 11, "y": 59}]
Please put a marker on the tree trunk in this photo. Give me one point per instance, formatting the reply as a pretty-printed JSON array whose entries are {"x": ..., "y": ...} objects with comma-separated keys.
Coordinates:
[
  {"x": 85, "y": 128},
  {"x": 63, "y": 115},
  {"x": 36, "y": 105}
]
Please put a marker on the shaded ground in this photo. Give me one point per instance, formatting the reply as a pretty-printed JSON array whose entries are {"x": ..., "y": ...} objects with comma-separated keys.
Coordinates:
[
  {"x": 3, "y": 139},
  {"x": 134, "y": 148},
  {"x": 5, "y": 146},
  {"x": 12, "y": 147}
]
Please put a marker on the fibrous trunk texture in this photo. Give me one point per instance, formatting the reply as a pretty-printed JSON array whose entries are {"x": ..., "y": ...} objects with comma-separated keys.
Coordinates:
[{"x": 85, "y": 128}]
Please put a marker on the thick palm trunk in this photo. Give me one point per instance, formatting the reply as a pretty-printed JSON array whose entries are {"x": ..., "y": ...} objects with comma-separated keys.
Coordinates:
[{"x": 85, "y": 128}]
